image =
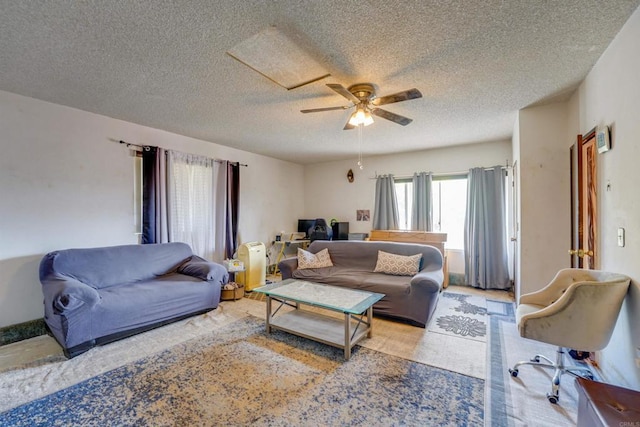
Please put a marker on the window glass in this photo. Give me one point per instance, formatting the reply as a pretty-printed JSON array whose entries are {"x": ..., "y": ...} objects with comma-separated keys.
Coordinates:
[
  {"x": 449, "y": 203},
  {"x": 404, "y": 196},
  {"x": 449, "y": 209}
]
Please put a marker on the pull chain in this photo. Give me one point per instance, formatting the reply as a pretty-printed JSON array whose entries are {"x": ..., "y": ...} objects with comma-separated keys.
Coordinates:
[{"x": 360, "y": 162}]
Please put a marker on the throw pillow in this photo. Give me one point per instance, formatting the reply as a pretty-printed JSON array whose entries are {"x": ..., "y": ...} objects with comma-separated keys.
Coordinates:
[
  {"x": 307, "y": 259},
  {"x": 398, "y": 265}
]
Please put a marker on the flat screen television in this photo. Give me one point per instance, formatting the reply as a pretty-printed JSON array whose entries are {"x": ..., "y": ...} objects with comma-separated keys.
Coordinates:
[{"x": 304, "y": 225}]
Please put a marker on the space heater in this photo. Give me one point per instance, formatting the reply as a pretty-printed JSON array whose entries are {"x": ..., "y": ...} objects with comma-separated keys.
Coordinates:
[{"x": 254, "y": 257}]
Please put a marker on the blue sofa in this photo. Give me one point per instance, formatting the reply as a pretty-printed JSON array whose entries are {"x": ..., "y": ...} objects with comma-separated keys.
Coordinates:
[
  {"x": 411, "y": 299},
  {"x": 99, "y": 295}
]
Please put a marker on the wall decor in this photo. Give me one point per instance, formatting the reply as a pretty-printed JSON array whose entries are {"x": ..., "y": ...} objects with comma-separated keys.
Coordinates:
[
  {"x": 603, "y": 140},
  {"x": 362, "y": 215}
]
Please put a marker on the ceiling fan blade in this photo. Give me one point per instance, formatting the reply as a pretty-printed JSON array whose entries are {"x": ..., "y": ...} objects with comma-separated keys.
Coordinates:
[
  {"x": 396, "y": 118},
  {"x": 344, "y": 92},
  {"x": 317, "y": 110},
  {"x": 398, "y": 97}
]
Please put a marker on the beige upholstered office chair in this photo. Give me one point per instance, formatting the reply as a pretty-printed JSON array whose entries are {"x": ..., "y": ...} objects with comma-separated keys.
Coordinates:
[{"x": 577, "y": 310}]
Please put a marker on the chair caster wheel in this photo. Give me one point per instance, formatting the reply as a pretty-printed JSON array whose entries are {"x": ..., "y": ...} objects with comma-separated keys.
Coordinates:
[
  {"x": 553, "y": 399},
  {"x": 513, "y": 372},
  {"x": 536, "y": 359}
]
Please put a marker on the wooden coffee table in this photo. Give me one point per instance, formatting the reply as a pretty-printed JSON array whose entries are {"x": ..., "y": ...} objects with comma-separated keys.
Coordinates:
[{"x": 355, "y": 305}]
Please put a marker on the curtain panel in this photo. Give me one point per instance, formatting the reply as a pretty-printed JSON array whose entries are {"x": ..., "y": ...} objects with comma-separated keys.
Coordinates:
[
  {"x": 421, "y": 215},
  {"x": 385, "y": 213},
  {"x": 154, "y": 196},
  {"x": 191, "y": 199},
  {"x": 232, "y": 205},
  {"x": 485, "y": 236},
  {"x": 192, "y": 202}
]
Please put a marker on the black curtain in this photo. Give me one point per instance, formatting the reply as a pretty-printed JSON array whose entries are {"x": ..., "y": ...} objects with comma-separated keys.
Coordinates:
[
  {"x": 233, "y": 198},
  {"x": 149, "y": 184}
]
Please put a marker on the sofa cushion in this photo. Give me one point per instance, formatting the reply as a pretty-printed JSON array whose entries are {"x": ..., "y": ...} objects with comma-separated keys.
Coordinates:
[
  {"x": 397, "y": 265},
  {"x": 307, "y": 259}
]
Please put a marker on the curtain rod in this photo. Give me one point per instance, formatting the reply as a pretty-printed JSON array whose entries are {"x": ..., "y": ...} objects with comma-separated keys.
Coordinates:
[
  {"x": 507, "y": 168},
  {"x": 148, "y": 147}
]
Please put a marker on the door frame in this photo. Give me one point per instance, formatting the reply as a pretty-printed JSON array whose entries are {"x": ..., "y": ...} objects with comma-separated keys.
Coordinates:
[{"x": 580, "y": 217}]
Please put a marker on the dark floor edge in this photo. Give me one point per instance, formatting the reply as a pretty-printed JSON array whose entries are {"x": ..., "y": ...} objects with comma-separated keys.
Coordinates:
[{"x": 22, "y": 331}]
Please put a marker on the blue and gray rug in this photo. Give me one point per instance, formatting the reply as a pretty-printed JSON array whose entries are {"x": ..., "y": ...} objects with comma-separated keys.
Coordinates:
[{"x": 242, "y": 376}]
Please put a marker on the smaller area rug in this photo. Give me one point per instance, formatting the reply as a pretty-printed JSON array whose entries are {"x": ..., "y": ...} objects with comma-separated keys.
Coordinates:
[
  {"x": 460, "y": 315},
  {"x": 242, "y": 376},
  {"x": 522, "y": 401}
]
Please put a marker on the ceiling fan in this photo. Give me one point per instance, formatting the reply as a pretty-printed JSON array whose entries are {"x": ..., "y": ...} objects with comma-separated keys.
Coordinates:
[{"x": 363, "y": 97}]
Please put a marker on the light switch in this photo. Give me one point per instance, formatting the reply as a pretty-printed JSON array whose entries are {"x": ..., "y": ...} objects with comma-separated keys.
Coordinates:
[{"x": 621, "y": 237}]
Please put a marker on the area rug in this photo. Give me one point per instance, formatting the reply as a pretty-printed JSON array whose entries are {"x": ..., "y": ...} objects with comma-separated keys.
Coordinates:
[
  {"x": 522, "y": 401},
  {"x": 241, "y": 376},
  {"x": 460, "y": 315}
]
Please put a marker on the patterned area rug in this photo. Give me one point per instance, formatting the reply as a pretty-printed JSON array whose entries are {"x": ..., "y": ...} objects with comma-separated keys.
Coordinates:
[
  {"x": 522, "y": 401},
  {"x": 242, "y": 376},
  {"x": 460, "y": 315}
]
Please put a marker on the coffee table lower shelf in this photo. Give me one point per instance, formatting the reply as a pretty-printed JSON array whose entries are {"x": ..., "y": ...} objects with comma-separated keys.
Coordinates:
[{"x": 318, "y": 327}]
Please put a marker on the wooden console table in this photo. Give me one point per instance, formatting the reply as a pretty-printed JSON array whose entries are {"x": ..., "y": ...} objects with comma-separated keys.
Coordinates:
[
  {"x": 601, "y": 404},
  {"x": 423, "y": 237}
]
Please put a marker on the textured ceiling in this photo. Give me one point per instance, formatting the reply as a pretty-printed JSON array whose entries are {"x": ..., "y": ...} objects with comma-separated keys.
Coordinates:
[{"x": 163, "y": 64}]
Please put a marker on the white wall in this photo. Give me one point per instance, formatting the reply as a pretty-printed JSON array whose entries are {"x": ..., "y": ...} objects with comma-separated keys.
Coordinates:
[
  {"x": 328, "y": 193},
  {"x": 64, "y": 184},
  {"x": 515, "y": 145},
  {"x": 610, "y": 95},
  {"x": 545, "y": 195}
]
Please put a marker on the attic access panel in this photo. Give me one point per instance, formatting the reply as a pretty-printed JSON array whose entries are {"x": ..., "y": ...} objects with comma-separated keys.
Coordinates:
[{"x": 279, "y": 59}]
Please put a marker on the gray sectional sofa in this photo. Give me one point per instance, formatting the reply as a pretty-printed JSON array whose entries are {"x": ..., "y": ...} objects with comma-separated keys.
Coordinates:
[
  {"x": 409, "y": 298},
  {"x": 98, "y": 295}
]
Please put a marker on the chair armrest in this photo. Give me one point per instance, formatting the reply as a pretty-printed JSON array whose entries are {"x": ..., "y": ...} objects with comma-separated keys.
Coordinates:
[
  {"x": 66, "y": 294},
  {"x": 287, "y": 266},
  {"x": 431, "y": 279},
  {"x": 205, "y": 270}
]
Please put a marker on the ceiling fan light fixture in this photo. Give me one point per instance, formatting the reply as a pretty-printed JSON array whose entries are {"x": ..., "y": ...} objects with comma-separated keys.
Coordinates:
[{"x": 361, "y": 117}]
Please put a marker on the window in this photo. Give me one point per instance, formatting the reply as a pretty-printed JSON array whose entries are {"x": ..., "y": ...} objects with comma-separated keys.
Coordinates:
[
  {"x": 449, "y": 204},
  {"x": 404, "y": 196},
  {"x": 449, "y": 198}
]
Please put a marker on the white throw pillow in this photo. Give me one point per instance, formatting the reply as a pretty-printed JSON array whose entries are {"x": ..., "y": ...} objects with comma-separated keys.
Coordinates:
[
  {"x": 398, "y": 265},
  {"x": 307, "y": 259}
]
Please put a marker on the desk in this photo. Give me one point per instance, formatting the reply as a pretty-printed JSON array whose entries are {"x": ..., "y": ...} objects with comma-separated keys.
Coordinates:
[{"x": 283, "y": 244}]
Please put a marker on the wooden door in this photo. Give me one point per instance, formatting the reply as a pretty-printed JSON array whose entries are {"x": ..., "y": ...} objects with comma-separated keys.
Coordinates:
[{"x": 584, "y": 202}]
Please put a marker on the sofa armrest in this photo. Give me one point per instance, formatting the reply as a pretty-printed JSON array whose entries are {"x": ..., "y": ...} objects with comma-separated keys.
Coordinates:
[
  {"x": 205, "y": 270},
  {"x": 430, "y": 279},
  {"x": 67, "y": 294},
  {"x": 287, "y": 266}
]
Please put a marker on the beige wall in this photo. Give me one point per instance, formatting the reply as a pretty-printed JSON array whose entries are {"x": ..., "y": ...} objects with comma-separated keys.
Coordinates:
[
  {"x": 610, "y": 95},
  {"x": 544, "y": 186},
  {"x": 64, "y": 184},
  {"x": 328, "y": 194}
]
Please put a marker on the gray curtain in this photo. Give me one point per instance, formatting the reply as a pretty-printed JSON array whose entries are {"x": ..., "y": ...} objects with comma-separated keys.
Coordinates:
[
  {"x": 485, "y": 237},
  {"x": 385, "y": 213},
  {"x": 421, "y": 217},
  {"x": 233, "y": 204},
  {"x": 154, "y": 196}
]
